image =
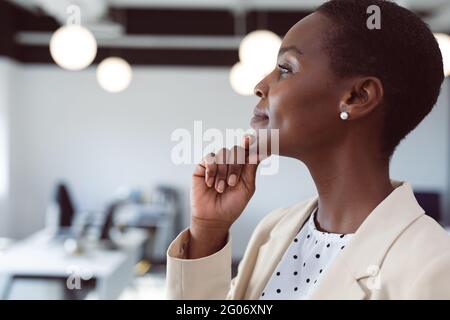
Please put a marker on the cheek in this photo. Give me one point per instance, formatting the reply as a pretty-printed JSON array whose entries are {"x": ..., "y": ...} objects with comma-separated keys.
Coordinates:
[{"x": 304, "y": 116}]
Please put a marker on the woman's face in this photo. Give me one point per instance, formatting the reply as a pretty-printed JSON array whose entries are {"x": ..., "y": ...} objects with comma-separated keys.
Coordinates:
[{"x": 300, "y": 97}]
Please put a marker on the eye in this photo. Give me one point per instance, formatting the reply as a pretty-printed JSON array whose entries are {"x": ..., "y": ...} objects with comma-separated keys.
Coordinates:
[{"x": 284, "y": 69}]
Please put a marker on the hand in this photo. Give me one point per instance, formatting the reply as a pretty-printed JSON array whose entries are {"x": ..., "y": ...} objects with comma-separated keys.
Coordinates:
[{"x": 222, "y": 185}]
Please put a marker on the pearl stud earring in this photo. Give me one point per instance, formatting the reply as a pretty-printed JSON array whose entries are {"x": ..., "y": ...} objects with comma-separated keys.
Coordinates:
[{"x": 344, "y": 115}]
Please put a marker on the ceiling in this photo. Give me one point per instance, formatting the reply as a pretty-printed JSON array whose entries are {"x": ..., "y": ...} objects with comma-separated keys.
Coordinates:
[
  {"x": 412, "y": 4},
  {"x": 170, "y": 31},
  {"x": 437, "y": 11}
]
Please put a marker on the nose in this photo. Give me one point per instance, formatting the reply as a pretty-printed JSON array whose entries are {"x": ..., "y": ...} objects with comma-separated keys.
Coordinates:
[{"x": 261, "y": 89}]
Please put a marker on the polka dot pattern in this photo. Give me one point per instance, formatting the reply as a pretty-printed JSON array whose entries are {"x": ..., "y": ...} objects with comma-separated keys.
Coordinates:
[{"x": 304, "y": 263}]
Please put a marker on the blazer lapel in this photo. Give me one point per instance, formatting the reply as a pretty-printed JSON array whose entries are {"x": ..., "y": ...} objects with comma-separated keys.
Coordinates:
[
  {"x": 341, "y": 282},
  {"x": 338, "y": 281},
  {"x": 367, "y": 249},
  {"x": 271, "y": 252}
]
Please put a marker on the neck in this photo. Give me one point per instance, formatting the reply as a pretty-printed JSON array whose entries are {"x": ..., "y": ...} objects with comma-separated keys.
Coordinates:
[{"x": 350, "y": 185}]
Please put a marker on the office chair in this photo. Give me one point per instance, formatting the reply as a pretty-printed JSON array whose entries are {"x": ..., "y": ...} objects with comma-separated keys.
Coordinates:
[
  {"x": 65, "y": 206},
  {"x": 431, "y": 203}
]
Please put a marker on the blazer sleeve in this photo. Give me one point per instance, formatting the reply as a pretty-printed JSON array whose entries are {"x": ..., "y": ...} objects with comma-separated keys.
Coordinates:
[
  {"x": 434, "y": 280},
  {"x": 197, "y": 279}
]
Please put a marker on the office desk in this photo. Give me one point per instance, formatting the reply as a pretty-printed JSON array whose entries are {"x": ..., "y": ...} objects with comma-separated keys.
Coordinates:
[
  {"x": 40, "y": 256},
  {"x": 157, "y": 218}
]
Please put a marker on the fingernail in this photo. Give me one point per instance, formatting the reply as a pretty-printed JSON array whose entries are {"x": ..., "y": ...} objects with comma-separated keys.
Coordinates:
[
  {"x": 232, "y": 180},
  {"x": 210, "y": 181},
  {"x": 247, "y": 140},
  {"x": 221, "y": 186}
]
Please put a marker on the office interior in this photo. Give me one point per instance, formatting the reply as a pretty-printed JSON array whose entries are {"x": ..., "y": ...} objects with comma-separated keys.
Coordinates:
[{"x": 90, "y": 197}]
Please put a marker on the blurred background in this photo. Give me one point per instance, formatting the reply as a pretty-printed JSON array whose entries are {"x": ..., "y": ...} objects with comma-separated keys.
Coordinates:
[{"x": 90, "y": 94}]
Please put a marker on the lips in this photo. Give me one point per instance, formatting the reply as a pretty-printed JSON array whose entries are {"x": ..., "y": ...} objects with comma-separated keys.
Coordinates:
[
  {"x": 260, "y": 119},
  {"x": 258, "y": 113}
]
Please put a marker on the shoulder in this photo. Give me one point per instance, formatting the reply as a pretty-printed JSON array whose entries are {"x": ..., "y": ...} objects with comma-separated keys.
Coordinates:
[
  {"x": 424, "y": 238},
  {"x": 433, "y": 282},
  {"x": 422, "y": 255}
]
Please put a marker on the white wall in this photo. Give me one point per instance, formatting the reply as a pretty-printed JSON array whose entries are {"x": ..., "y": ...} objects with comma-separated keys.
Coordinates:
[
  {"x": 6, "y": 70},
  {"x": 424, "y": 156},
  {"x": 65, "y": 127}
]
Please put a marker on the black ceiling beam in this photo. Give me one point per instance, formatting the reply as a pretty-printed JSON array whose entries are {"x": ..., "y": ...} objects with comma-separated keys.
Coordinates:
[
  {"x": 7, "y": 27},
  {"x": 174, "y": 21},
  {"x": 187, "y": 57},
  {"x": 38, "y": 20},
  {"x": 202, "y": 21},
  {"x": 15, "y": 19},
  {"x": 276, "y": 21}
]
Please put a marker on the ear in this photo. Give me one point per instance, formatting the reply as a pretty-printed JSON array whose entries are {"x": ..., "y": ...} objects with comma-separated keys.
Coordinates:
[{"x": 365, "y": 94}]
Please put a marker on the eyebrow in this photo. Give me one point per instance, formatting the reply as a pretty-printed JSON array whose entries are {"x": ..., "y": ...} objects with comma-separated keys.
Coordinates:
[{"x": 289, "y": 48}]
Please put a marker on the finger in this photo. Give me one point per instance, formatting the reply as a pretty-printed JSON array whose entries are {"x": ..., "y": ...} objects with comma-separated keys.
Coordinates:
[
  {"x": 251, "y": 146},
  {"x": 248, "y": 173},
  {"x": 199, "y": 170},
  {"x": 222, "y": 168},
  {"x": 210, "y": 168},
  {"x": 236, "y": 161},
  {"x": 248, "y": 140}
]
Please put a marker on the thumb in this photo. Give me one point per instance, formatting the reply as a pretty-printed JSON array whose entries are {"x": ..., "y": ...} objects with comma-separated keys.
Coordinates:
[
  {"x": 251, "y": 158},
  {"x": 249, "y": 173}
]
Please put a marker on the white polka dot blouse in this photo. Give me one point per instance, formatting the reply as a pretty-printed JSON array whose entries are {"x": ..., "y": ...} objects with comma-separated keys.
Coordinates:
[{"x": 304, "y": 262}]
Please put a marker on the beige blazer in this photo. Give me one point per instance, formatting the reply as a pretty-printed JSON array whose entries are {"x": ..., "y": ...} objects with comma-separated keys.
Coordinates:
[{"x": 397, "y": 253}]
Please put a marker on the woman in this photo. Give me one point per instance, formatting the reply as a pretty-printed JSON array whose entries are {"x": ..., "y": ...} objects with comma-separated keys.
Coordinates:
[{"x": 342, "y": 97}]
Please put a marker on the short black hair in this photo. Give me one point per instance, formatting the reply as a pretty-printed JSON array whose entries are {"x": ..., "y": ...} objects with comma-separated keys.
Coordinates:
[{"x": 403, "y": 54}]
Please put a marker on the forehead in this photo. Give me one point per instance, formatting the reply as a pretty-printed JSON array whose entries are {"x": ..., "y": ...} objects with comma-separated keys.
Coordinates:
[{"x": 307, "y": 34}]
